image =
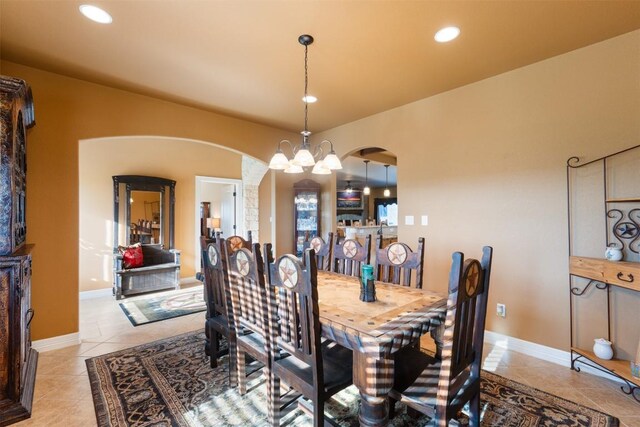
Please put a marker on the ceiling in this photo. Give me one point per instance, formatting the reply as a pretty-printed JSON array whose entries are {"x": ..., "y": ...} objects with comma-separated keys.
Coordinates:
[
  {"x": 242, "y": 57},
  {"x": 353, "y": 171}
]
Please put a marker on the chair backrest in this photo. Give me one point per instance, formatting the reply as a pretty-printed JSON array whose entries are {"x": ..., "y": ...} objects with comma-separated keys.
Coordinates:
[
  {"x": 465, "y": 321},
  {"x": 293, "y": 311},
  {"x": 214, "y": 277},
  {"x": 247, "y": 288},
  {"x": 322, "y": 249},
  {"x": 349, "y": 255},
  {"x": 396, "y": 262},
  {"x": 233, "y": 243}
]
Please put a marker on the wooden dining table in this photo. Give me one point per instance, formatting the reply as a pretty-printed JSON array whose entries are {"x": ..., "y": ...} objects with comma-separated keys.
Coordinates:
[{"x": 374, "y": 331}]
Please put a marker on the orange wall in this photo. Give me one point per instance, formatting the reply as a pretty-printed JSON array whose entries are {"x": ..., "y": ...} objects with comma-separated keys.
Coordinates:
[
  {"x": 486, "y": 163},
  {"x": 178, "y": 160},
  {"x": 68, "y": 110}
]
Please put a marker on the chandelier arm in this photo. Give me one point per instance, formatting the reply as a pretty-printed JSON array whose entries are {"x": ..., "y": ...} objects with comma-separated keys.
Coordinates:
[{"x": 293, "y": 150}]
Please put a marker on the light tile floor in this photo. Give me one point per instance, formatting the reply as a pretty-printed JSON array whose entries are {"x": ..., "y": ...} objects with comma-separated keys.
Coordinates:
[{"x": 63, "y": 396}]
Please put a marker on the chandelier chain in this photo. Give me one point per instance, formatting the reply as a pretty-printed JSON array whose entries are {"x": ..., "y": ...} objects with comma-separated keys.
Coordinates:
[{"x": 306, "y": 84}]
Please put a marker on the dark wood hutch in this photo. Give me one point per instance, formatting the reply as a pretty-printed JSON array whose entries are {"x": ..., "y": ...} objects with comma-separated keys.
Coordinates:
[{"x": 18, "y": 360}]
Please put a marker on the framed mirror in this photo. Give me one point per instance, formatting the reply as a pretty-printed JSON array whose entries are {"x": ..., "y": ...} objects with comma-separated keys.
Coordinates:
[{"x": 145, "y": 205}]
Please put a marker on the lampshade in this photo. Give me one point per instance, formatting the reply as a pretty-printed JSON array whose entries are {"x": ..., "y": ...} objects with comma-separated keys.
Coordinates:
[
  {"x": 213, "y": 223},
  {"x": 292, "y": 168},
  {"x": 387, "y": 192},
  {"x": 304, "y": 158},
  {"x": 331, "y": 161},
  {"x": 279, "y": 161},
  {"x": 366, "y": 190},
  {"x": 321, "y": 168}
]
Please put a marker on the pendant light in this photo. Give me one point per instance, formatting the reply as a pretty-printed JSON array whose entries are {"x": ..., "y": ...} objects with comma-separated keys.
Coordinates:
[
  {"x": 349, "y": 188},
  {"x": 366, "y": 190},
  {"x": 304, "y": 155},
  {"x": 387, "y": 192}
]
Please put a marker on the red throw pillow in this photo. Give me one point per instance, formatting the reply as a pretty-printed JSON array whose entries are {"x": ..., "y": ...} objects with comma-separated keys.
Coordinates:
[{"x": 131, "y": 256}]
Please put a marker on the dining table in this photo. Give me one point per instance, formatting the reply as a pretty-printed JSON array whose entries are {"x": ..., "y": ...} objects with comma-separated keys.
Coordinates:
[{"x": 375, "y": 331}]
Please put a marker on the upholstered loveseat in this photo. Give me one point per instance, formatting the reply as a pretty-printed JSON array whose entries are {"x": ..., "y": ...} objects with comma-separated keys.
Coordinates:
[{"x": 160, "y": 270}]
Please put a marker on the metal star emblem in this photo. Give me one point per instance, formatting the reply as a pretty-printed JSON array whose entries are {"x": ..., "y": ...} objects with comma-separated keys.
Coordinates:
[
  {"x": 242, "y": 263},
  {"x": 316, "y": 244},
  {"x": 473, "y": 278},
  {"x": 212, "y": 252},
  {"x": 626, "y": 230},
  {"x": 349, "y": 249},
  {"x": 288, "y": 273},
  {"x": 397, "y": 254},
  {"x": 235, "y": 243}
]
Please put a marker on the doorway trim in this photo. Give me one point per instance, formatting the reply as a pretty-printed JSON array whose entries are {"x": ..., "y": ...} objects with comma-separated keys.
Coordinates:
[{"x": 240, "y": 229}]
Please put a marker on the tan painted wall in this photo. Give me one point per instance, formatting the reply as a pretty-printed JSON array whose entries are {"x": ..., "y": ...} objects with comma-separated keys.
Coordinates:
[
  {"x": 486, "y": 162},
  {"x": 179, "y": 160},
  {"x": 69, "y": 110}
]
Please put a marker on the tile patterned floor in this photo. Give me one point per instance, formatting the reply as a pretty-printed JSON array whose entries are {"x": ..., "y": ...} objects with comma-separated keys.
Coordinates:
[{"x": 63, "y": 396}]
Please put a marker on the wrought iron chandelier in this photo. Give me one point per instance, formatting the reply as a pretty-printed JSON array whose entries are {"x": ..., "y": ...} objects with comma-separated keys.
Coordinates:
[{"x": 304, "y": 155}]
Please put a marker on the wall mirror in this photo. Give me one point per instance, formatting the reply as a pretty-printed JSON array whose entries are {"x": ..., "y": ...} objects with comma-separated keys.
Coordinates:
[{"x": 143, "y": 210}]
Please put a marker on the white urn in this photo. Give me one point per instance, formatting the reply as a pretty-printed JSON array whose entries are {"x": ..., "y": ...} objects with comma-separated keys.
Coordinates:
[
  {"x": 602, "y": 348},
  {"x": 613, "y": 253}
]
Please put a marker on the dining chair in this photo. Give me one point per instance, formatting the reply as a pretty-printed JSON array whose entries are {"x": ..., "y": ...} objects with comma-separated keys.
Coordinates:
[
  {"x": 349, "y": 255},
  {"x": 314, "y": 369},
  {"x": 441, "y": 387},
  {"x": 396, "y": 262},
  {"x": 322, "y": 249},
  {"x": 233, "y": 243},
  {"x": 216, "y": 318},
  {"x": 249, "y": 311}
]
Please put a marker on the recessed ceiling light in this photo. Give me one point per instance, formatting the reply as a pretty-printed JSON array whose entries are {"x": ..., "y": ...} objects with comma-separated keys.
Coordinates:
[
  {"x": 95, "y": 14},
  {"x": 447, "y": 34},
  {"x": 309, "y": 99}
]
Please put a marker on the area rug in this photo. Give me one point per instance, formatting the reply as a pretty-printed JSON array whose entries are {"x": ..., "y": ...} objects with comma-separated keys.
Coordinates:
[
  {"x": 170, "y": 383},
  {"x": 161, "y": 306}
]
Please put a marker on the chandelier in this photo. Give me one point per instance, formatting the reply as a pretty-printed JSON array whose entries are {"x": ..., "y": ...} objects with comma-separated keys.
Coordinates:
[{"x": 304, "y": 155}]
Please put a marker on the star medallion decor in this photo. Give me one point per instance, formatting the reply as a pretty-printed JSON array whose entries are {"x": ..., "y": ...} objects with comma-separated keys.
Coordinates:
[
  {"x": 235, "y": 243},
  {"x": 473, "y": 279},
  {"x": 316, "y": 244},
  {"x": 349, "y": 249},
  {"x": 212, "y": 252},
  {"x": 626, "y": 230},
  {"x": 396, "y": 253},
  {"x": 288, "y": 273},
  {"x": 242, "y": 263}
]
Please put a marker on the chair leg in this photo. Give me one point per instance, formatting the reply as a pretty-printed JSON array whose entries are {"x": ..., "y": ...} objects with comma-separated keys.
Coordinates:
[
  {"x": 392, "y": 408},
  {"x": 318, "y": 413},
  {"x": 233, "y": 361},
  {"x": 241, "y": 372},
  {"x": 214, "y": 348},
  {"x": 273, "y": 397},
  {"x": 474, "y": 410}
]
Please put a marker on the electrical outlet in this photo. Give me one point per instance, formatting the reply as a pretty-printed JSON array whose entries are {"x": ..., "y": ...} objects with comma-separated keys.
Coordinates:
[{"x": 501, "y": 310}]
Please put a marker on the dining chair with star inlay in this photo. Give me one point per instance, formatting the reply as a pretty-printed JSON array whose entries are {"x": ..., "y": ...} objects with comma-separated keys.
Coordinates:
[
  {"x": 215, "y": 296},
  {"x": 322, "y": 249},
  {"x": 440, "y": 388},
  {"x": 396, "y": 262},
  {"x": 315, "y": 369},
  {"x": 249, "y": 308},
  {"x": 349, "y": 255}
]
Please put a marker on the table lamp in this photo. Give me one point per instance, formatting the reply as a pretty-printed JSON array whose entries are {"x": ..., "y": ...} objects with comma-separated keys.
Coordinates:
[{"x": 212, "y": 225}]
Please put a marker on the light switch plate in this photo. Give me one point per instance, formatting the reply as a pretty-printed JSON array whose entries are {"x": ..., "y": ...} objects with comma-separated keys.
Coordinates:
[
  {"x": 425, "y": 220},
  {"x": 408, "y": 220}
]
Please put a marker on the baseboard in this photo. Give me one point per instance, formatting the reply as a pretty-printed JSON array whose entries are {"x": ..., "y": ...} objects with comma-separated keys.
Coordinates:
[
  {"x": 189, "y": 280},
  {"x": 539, "y": 351},
  {"x": 55, "y": 343},
  {"x": 98, "y": 293}
]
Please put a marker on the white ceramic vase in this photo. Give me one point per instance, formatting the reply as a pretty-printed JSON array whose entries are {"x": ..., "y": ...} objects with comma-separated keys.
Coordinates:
[
  {"x": 602, "y": 348},
  {"x": 613, "y": 253}
]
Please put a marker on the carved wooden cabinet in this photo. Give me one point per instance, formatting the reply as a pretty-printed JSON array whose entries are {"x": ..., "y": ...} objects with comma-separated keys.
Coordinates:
[{"x": 18, "y": 360}]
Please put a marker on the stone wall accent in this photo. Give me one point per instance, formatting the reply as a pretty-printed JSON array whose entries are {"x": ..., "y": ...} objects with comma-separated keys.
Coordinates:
[{"x": 252, "y": 173}]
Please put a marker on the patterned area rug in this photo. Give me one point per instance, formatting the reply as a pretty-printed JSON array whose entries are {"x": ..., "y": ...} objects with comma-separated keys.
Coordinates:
[
  {"x": 170, "y": 383},
  {"x": 162, "y": 306}
]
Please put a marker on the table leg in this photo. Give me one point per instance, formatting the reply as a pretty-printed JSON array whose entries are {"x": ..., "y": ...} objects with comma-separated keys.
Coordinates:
[{"x": 374, "y": 379}]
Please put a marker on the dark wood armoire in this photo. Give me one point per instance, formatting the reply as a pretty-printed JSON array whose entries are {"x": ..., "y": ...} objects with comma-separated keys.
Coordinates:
[{"x": 18, "y": 360}]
